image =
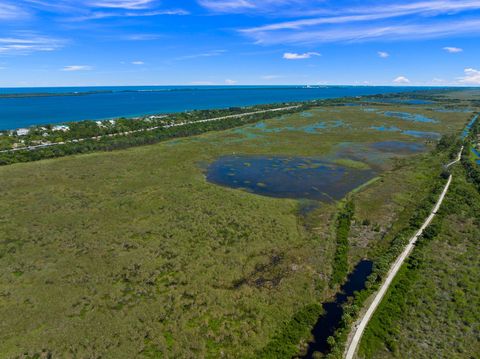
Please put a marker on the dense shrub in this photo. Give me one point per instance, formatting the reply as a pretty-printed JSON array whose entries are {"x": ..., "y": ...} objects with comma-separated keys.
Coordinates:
[
  {"x": 285, "y": 343},
  {"x": 340, "y": 261}
]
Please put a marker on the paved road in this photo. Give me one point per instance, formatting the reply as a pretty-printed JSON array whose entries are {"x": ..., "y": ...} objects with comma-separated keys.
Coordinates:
[
  {"x": 360, "y": 326},
  {"x": 36, "y": 147}
]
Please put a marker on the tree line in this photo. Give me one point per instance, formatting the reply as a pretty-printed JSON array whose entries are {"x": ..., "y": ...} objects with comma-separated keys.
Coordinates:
[{"x": 136, "y": 139}]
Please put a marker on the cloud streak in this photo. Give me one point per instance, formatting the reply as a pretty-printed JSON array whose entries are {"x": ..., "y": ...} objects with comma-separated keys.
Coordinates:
[
  {"x": 285, "y": 7},
  {"x": 453, "y": 50},
  {"x": 25, "y": 43},
  {"x": 427, "y": 19},
  {"x": 73, "y": 68},
  {"x": 11, "y": 12},
  {"x": 295, "y": 56},
  {"x": 73, "y": 10},
  {"x": 203, "y": 54},
  {"x": 123, "y": 4}
]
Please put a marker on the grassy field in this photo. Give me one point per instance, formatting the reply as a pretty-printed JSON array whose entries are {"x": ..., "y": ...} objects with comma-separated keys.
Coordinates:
[{"x": 134, "y": 254}]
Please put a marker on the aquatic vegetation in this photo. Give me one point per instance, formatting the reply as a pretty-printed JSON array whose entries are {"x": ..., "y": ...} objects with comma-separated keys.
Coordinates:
[
  {"x": 409, "y": 116},
  {"x": 423, "y": 134},
  {"x": 257, "y": 130},
  {"x": 306, "y": 114},
  {"x": 413, "y": 133},
  {"x": 386, "y": 129},
  {"x": 399, "y": 147},
  {"x": 452, "y": 110}
]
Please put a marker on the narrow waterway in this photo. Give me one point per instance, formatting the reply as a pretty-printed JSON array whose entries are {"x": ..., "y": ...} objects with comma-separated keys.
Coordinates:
[{"x": 333, "y": 311}]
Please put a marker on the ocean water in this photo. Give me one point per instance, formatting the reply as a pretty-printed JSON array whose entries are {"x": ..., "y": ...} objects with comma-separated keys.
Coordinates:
[{"x": 97, "y": 103}]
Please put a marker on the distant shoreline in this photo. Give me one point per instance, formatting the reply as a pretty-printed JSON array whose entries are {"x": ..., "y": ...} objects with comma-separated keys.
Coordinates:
[
  {"x": 23, "y": 108},
  {"x": 25, "y": 92}
]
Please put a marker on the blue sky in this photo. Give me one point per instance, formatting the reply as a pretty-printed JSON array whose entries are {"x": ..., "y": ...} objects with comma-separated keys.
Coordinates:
[{"x": 218, "y": 42}]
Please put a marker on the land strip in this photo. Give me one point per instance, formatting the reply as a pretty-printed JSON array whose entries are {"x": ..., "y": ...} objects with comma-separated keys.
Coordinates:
[
  {"x": 361, "y": 324},
  {"x": 35, "y": 147}
]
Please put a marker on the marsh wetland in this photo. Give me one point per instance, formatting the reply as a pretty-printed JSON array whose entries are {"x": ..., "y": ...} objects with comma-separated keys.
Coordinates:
[{"x": 197, "y": 246}]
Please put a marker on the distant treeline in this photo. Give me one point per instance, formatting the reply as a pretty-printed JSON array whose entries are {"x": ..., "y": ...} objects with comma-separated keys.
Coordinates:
[
  {"x": 139, "y": 138},
  {"x": 174, "y": 89},
  {"x": 52, "y": 94}
]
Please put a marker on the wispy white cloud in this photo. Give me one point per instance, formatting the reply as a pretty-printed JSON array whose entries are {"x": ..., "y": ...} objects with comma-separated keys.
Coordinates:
[
  {"x": 383, "y": 54},
  {"x": 72, "y": 68},
  {"x": 203, "y": 54},
  {"x": 230, "y": 82},
  {"x": 98, "y": 15},
  {"x": 138, "y": 63},
  {"x": 142, "y": 37},
  {"x": 123, "y": 4},
  {"x": 453, "y": 50},
  {"x": 227, "y": 5},
  {"x": 472, "y": 77},
  {"x": 369, "y": 22},
  {"x": 8, "y": 11},
  {"x": 363, "y": 33},
  {"x": 24, "y": 43},
  {"x": 295, "y": 56},
  {"x": 401, "y": 80},
  {"x": 86, "y": 10},
  {"x": 286, "y": 7}
]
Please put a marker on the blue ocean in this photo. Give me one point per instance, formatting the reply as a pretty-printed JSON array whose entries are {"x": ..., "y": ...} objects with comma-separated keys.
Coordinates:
[{"x": 67, "y": 104}]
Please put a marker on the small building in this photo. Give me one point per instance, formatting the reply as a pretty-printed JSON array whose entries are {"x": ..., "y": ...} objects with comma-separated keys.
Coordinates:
[
  {"x": 23, "y": 131},
  {"x": 62, "y": 128}
]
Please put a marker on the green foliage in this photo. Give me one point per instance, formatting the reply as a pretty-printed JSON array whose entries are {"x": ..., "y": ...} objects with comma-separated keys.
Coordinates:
[
  {"x": 340, "y": 261},
  {"x": 383, "y": 262},
  {"x": 472, "y": 169},
  {"x": 449, "y": 144},
  {"x": 89, "y": 129},
  {"x": 437, "y": 288},
  {"x": 285, "y": 343}
]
